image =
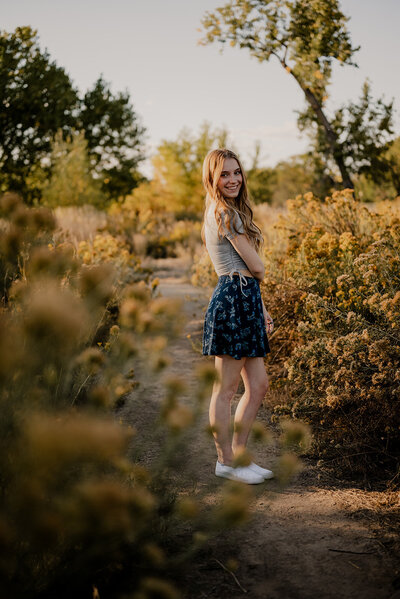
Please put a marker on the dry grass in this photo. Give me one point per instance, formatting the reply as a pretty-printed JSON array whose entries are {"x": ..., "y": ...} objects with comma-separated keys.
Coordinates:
[{"x": 80, "y": 223}]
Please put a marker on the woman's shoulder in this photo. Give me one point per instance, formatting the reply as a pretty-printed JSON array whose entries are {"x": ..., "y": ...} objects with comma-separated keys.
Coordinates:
[
  {"x": 228, "y": 216},
  {"x": 232, "y": 217},
  {"x": 225, "y": 213}
]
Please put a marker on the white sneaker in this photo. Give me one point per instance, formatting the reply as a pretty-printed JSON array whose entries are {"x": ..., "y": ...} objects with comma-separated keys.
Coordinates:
[
  {"x": 242, "y": 474},
  {"x": 261, "y": 471}
]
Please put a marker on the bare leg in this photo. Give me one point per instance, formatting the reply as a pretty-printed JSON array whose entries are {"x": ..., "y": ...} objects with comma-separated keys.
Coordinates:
[
  {"x": 256, "y": 384},
  {"x": 224, "y": 389}
]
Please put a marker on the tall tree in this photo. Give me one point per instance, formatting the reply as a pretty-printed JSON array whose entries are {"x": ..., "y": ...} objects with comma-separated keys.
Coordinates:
[
  {"x": 305, "y": 36},
  {"x": 365, "y": 131},
  {"x": 38, "y": 98},
  {"x": 114, "y": 137}
]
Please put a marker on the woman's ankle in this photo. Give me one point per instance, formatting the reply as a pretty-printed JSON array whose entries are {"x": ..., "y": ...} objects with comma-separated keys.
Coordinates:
[
  {"x": 226, "y": 461},
  {"x": 238, "y": 450}
]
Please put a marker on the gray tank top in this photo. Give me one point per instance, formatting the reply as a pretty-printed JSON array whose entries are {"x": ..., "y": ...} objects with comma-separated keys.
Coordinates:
[{"x": 223, "y": 255}]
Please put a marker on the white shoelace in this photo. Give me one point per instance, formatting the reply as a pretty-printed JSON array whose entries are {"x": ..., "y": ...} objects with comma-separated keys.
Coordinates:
[{"x": 242, "y": 279}]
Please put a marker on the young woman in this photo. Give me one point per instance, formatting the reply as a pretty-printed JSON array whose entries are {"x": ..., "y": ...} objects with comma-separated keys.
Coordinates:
[{"x": 236, "y": 321}]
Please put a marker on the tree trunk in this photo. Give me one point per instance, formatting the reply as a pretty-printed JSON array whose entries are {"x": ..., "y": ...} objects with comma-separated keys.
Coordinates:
[{"x": 331, "y": 136}]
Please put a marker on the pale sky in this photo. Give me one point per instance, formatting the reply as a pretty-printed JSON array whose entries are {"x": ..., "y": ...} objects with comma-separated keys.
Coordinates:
[{"x": 149, "y": 47}]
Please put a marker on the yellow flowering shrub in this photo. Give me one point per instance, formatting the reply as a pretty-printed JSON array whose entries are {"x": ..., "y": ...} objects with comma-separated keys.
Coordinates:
[
  {"x": 340, "y": 348},
  {"x": 203, "y": 273},
  {"x": 153, "y": 232},
  {"x": 72, "y": 507},
  {"x": 107, "y": 249},
  {"x": 104, "y": 248},
  {"x": 184, "y": 234}
]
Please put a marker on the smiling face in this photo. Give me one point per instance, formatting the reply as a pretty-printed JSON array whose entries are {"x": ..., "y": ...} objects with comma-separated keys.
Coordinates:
[{"x": 231, "y": 179}]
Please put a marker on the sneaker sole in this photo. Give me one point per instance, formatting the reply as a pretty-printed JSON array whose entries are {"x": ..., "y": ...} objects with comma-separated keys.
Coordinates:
[
  {"x": 223, "y": 475},
  {"x": 240, "y": 480},
  {"x": 265, "y": 476}
]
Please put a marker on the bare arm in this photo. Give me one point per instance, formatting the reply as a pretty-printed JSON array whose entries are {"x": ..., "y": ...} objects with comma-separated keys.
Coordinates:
[
  {"x": 255, "y": 265},
  {"x": 247, "y": 252}
]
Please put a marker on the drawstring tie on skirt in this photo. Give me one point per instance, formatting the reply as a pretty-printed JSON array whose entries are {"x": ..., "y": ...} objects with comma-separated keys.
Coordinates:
[{"x": 242, "y": 279}]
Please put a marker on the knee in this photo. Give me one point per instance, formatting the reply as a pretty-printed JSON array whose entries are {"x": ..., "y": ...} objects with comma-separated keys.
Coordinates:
[
  {"x": 226, "y": 394},
  {"x": 261, "y": 387}
]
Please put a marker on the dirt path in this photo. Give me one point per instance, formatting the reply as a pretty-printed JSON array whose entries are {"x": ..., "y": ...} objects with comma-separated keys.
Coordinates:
[{"x": 308, "y": 541}]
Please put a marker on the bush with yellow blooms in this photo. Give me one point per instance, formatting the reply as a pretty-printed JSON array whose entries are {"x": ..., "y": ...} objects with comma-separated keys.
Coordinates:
[{"x": 334, "y": 293}]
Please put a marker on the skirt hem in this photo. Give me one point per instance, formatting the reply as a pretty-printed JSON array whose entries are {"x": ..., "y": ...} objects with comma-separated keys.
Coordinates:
[{"x": 237, "y": 357}]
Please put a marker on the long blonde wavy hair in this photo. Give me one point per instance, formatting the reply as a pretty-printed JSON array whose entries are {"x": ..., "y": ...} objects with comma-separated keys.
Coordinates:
[{"x": 212, "y": 168}]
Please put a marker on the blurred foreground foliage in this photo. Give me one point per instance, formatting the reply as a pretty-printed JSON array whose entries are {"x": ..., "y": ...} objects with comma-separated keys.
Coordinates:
[{"x": 78, "y": 516}]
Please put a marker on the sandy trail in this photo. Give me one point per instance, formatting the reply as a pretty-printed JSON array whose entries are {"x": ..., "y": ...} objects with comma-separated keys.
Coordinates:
[{"x": 308, "y": 541}]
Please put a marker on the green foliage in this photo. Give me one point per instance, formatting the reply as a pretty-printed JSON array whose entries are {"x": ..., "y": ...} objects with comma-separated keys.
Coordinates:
[
  {"x": 306, "y": 37},
  {"x": 162, "y": 216},
  {"x": 288, "y": 178},
  {"x": 176, "y": 185},
  {"x": 341, "y": 266},
  {"x": 298, "y": 174},
  {"x": 393, "y": 156},
  {"x": 71, "y": 182},
  {"x": 39, "y": 100},
  {"x": 259, "y": 180},
  {"x": 367, "y": 128},
  {"x": 364, "y": 130},
  {"x": 260, "y": 184},
  {"x": 114, "y": 136},
  {"x": 372, "y": 188}
]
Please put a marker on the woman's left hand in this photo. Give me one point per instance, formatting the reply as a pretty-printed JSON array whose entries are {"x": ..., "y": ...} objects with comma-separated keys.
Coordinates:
[{"x": 269, "y": 323}]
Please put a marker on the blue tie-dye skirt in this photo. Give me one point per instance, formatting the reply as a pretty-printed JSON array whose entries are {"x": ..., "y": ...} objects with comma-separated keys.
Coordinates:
[{"x": 234, "y": 320}]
